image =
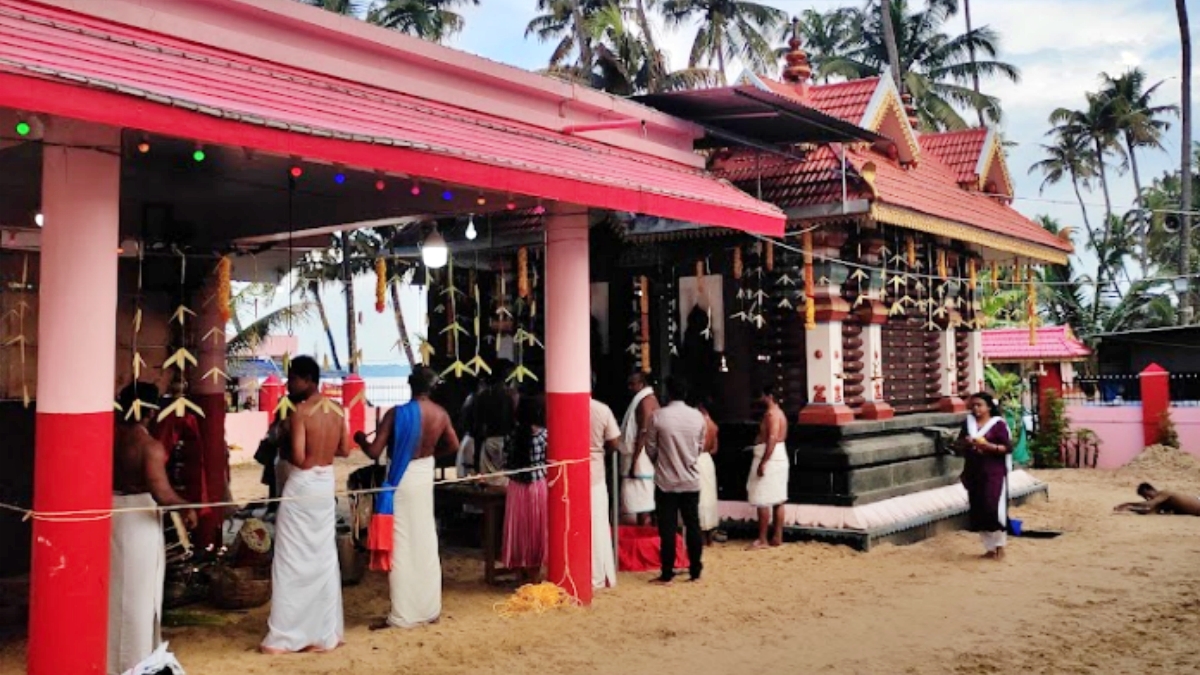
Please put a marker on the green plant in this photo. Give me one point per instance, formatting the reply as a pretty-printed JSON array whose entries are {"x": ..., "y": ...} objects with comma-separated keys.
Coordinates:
[
  {"x": 1053, "y": 431},
  {"x": 1167, "y": 435},
  {"x": 1007, "y": 388}
]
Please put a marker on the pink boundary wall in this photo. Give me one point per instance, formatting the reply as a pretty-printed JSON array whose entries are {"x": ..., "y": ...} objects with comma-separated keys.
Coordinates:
[
  {"x": 243, "y": 431},
  {"x": 1120, "y": 430}
]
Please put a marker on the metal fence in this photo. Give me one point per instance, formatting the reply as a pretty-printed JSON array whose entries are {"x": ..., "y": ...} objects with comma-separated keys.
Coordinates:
[
  {"x": 1105, "y": 390},
  {"x": 382, "y": 395},
  {"x": 1185, "y": 390}
]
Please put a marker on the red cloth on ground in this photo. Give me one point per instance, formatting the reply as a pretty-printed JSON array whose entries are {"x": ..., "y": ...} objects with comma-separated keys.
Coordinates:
[{"x": 638, "y": 550}]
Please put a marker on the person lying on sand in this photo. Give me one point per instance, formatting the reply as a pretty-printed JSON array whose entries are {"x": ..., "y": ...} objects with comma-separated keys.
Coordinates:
[{"x": 1162, "y": 502}]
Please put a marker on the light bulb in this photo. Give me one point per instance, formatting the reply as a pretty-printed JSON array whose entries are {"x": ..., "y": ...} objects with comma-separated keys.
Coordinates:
[
  {"x": 471, "y": 233},
  {"x": 39, "y": 220},
  {"x": 434, "y": 253}
]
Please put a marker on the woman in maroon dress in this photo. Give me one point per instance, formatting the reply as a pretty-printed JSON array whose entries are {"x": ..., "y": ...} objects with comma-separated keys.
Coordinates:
[{"x": 986, "y": 445}]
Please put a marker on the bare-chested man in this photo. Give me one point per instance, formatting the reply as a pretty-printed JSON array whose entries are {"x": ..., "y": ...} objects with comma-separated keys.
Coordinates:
[
  {"x": 306, "y": 581},
  {"x": 637, "y": 471},
  {"x": 1162, "y": 502},
  {"x": 768, "y": 483},
  {"x": 138, "y": 550},
  {"x": 407, "y": 546}
]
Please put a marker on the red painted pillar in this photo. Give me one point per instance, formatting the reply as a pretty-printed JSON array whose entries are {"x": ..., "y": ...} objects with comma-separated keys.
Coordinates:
[
  {"x": 269, "y": 393},
  {"x": 568, "y": 395},
  {"x": 354, "y": 400},
  {"x": 68, "y": 605},
  {"x": 1156, "y": 400},
  {"x": 1049, "y": 382},
  {"x": 208, "y": 392}
]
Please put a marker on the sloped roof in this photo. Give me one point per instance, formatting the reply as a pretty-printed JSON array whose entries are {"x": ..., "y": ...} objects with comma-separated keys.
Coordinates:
[
  {"x": 845, "y": 100},
  {"x": 959, "y": 150},
  {"x": 1054, "y": 343}
]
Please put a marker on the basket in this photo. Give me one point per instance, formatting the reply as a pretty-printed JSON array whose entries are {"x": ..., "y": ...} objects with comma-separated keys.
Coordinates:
[{"x": 240, "y": 587}]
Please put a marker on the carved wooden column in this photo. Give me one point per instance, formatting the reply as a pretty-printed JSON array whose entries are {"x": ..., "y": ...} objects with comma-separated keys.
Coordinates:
[
  {"x": 948, "y": 318},
  {"x": 873, "y": 312},
  {"x": 826, "y": 388}
]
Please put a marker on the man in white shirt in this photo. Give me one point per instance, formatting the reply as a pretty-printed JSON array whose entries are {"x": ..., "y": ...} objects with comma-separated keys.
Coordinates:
[
  {"x": 675, "y": 441},
  {"x": 605, "y": 435}
]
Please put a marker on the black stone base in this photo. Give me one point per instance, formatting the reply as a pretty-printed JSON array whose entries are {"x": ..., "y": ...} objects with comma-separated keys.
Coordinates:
[{"x": 858, "y": 463}]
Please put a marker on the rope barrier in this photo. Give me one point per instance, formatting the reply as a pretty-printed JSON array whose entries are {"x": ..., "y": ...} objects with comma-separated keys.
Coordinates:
[{"x": 90, "y": 515}]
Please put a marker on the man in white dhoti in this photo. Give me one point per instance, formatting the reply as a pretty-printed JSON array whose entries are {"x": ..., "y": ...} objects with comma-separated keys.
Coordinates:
[
  {"x": 605, "y": 435},
  {"x": 767, "y": 487},
  {"x": 403, "y": 538},
  {"x": 306, "y": 580},
  {"x": 637, "y": 471},
  {"x": 138, "y": 562}
]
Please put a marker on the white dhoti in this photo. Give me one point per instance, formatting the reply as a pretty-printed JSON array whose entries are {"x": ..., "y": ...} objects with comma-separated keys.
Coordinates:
[
  {"x": 492, "y": 461},
  {"x": 415, "y": 579},
  {"x": 604, "y": 566},
  {"x": 135, "y": 588},
  {"x": 772, "y": 488},
  {"x": 306, "y": 581},
  {"x": 710, "y": 518},
  {"x": 637, "y": 493}
]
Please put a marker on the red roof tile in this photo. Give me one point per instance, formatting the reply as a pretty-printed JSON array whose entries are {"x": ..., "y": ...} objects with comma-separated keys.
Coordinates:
[
  {"x": 930, "y": 188},
  {"x": 845, "y": 100},
  {"x": 1054, "y": 343},
  {"x": 817, "y": 180},
  {"x": 960, "y": 150}
]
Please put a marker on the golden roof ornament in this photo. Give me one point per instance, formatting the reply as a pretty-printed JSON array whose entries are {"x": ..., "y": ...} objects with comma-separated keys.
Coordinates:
[{"x": 797, "y": 72}]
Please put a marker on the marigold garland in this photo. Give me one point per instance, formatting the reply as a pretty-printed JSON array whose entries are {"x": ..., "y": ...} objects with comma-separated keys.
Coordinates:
[
  {"x": 737, "y": 263},
  {"x": 645, "y": 334},
  {"x": 224, "y": 289},
  {"x": 523, "y": 273},
  {"x": 810, "y": 304},
  {"x": 536, "y": 599},
  {"x": 770, "y": 257},
  {"x": 380, "y": 285},
  {"x": 972, "y": 274},
  {"x": 911, "y": 245}
]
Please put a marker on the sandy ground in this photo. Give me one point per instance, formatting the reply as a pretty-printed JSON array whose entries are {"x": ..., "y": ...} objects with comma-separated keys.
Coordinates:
[{"x": 1115, "y": 594}]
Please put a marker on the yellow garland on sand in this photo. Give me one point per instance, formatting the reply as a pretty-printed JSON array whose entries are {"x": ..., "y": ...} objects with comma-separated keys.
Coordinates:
[
  {"x": 380, "y": 285},
  {"x": 534, "y": 599}
]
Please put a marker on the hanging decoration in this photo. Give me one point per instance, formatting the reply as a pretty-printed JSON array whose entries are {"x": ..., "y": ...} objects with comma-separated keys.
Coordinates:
[
  {"x": 224, "y": 287},
  {"x": 477, "y": 364},
  {"x": 644, "y": 306},
  {"x": 995, "y": 277},
  {"x": 182, "y": 358},
  {"x": 672, "y": 314},
  {"x": 943, "y": 271},
  {"x": 381, "y": 281},
  {"x": 19, "y": 340},
  {"x": 810, "y": 304},
  {"x": 770, "y": 256},
  {"x": 1031, "y": 305},
  {"x": 453, "y": 328},
  {"x": 911, "y": 249},
  {"x": 523, "y": 273},
  {"x": 972, "y": 275},
  {"x": 737, "y": 263}
]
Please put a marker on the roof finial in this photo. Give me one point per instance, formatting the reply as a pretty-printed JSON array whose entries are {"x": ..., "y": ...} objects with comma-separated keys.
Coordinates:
[{"x": 797, "y": 71}]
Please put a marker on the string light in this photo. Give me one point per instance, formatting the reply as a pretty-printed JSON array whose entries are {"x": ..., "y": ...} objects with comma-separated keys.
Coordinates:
[
  {"x": 380, "y": 185},
  {"x": 471, "y": 232},
  {"x": 23, "y": 128},
  {"x": 296, "y": 171},
  {"x": 143, "y": 145},
  {"x": 198, "y": 154},
  {"x": 481, "y": 200},
  {"x": 339, "y": 178},
  {"x": 39, "y": 220},
  {"x": 511, "y": 205},
  {"x": 447, "y": 196},
  {"x": 416, "y": 190},
  {"x": 539, "y": 209}
]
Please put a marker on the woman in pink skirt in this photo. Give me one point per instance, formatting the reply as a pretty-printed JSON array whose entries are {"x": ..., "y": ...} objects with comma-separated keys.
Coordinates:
[{"x": 525, "y": 519}]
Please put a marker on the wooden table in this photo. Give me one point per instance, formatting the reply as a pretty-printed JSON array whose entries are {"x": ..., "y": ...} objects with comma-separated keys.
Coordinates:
[{"x": 490, "y": 500}]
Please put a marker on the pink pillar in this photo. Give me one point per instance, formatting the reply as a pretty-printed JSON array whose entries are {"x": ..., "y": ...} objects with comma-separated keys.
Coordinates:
[
  {"x": 208, "y": 392},
  {"x": 356, "y": 411},
  {"x": 77, "y": 341},
  {"x": 1156, "y": 400},
  {"x": 568, "y": 394}
]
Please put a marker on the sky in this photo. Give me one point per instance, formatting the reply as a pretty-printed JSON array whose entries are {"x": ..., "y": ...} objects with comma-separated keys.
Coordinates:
[{"x": 1060, "y": 46}]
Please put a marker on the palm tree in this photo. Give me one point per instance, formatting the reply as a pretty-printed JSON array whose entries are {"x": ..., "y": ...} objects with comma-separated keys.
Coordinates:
[
  {"x": 427, "y": 19},
  {"x": 432, "y": 20},
  {"x": 935, "y": 68},
  {"x": 249, "y": 337},
  {"x": 1096, "y": 124},
  {"x": 728, "y": 29},
  {"x": 627, "y": 65},
  {"x": 1139, "y": 123},
  {"x": 1068, "y": 157},
  {"x": 313, "y": 270},
  {"x": 566, "y": 21}
]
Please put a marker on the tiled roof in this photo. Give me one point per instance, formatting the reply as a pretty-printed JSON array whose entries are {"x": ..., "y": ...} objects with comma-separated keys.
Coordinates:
[
  {"x": 1054, "y": 343},
  {"x": 844, "y": 100},
  {"x": 959, "y": 150},
  {"x": 930, "y": 188},
  {"x": 786, "y": 183}
]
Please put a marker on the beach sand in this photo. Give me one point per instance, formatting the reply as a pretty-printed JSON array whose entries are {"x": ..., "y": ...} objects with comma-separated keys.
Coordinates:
[{"x": 1115, "y": 594}]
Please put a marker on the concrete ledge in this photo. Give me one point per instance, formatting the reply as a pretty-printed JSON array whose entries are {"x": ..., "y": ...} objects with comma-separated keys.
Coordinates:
[{"x": 901, "y": 520}]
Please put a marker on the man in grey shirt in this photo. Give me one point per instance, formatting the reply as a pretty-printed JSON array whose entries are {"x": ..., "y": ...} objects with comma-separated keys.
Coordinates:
[{"x": 674, "y": 443}]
